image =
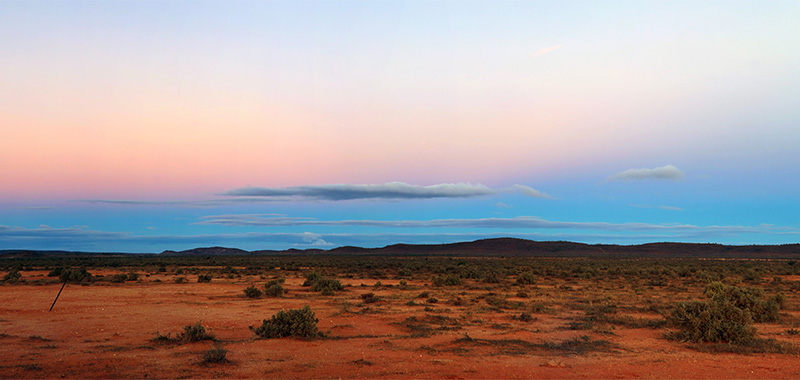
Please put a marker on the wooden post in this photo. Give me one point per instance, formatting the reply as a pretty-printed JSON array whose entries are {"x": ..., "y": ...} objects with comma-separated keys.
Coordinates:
[{"x": 59, "y": 293}]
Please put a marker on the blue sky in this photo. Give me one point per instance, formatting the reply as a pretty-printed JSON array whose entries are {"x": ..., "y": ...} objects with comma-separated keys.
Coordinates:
[{"x": 146, "y": 126}]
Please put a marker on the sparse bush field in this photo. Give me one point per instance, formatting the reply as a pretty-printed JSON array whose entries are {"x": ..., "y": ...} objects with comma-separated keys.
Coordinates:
[{"x": 447, "y": 309}]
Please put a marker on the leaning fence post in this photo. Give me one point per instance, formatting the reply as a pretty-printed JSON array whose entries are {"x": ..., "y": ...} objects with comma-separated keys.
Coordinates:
[{"x": 59, "y": 293}]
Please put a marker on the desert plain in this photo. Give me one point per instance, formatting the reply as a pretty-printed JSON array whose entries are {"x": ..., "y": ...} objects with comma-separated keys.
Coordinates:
[{"x": 388, "y": 317}]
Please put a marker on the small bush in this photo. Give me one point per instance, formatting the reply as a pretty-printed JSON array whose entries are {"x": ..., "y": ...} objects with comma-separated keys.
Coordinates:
[
  {"x": 204, "y": 278},
  {"x": 180, "y": 280},
  {"x": 194, "y": 333},
  {"x": 432, "y": 300},
  {"x": 526, "y": 278},
  {"x": 12, "y": 277},
  {"x": 56, "y": 272},
  {"x": 215, "y": 355},
  {"x": 252, "y": 292},
  {"x": 133, "y": 276},
  {"x": 323, "y": 283},
  {"x": 75, "y": 275},
  {"x": 370, "y": 298},
  {"x": 525, "y": 317},
  {"x": 448, "y": 280},
  {"x": 273, "y": 289},
  {"x": 301, "y": 323}
]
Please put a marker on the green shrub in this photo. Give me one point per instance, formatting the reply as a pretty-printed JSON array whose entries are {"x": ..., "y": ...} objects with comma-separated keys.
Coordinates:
[
  {"x": 321, "y": 284},
  {"x": 273, "y": 289},
  {"x": 526, "y": 278},
  {"x": 133, "y": 276},
  {"x": 752, "y": 299},
  {"x": 727, "y": 316},
  {"x": 12, "y": 277},
  {"x": 712, "y": 322},
  {"x": 370, "y": 298},
  {"x": 204, "y": 278},
  {"x": 180, "y": 280},
  {"x": 75, "y": 275},
  {"x": 194, "y": 333},
  {"x": 311, "y": 278},
  {"x": 252, "y": 292},
  {"x": 215, "y": 355},
  {"x": 448, "y": 280},
  {"x": 56, "y": 272},
  {"x": 301, "y": 323}
]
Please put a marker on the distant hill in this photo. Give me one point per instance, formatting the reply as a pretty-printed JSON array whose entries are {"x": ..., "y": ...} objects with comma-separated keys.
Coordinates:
[{"x": 487, "y": 247}]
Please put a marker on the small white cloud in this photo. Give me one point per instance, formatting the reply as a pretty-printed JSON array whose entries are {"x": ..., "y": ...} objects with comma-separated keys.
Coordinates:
[
  {"x": 529, "y": 191},
  {"x": 315, "y": 240},
  {"x": 667, "y": 172},
  {"x": 547, "y": 50},
  {"x": 502, "y": 205}
]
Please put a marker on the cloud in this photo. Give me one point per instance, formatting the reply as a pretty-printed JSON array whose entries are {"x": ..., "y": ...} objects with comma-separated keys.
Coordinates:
[
  {"x": 386, "y": 191},
  {"x": 547, "y": 50},
  {"x": 529, "y": 191},
  {"x": 502, "y": 205},
  {"x": 522, "y": 222},
  {"x": 315, "y": 240},
  {"x": 667, "y": 172},
  {"x": 391, "y": 191}
]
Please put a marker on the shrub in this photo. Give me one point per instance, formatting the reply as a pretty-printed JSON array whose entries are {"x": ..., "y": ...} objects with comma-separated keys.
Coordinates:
[
  {"x": 194, "y": 333},
  {"x": 215, "y": 355},
  {"x": 12, "y": 276},
  {"x": 204, "y": 278},
  {"x": 273, "y": 289},
  {"x": 525, "y": 317},
  {"x": 448, "y": 280},
  {"x": 752, "y": 299},
  {"x": 56, "y": 272},
  {"x": 370, "y": 298},
  {"x": 301, "y": 323},
  {"x": 75, "y": 275},
  {"x": 712, "y": 322},
  {"x": 133, "y": 276},
  {"x": 727, "y": 316},
  {"x": 252, "y": 292},
  {"x": 311, "y": 278},
  {"x": 180, "y": 280},
  {"x": 321, "y": 284},
  {"x": 526, "y": 278}
]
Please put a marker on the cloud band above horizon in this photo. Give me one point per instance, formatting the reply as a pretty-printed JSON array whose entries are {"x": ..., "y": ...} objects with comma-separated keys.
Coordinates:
[{"x": 386, "y": 191}]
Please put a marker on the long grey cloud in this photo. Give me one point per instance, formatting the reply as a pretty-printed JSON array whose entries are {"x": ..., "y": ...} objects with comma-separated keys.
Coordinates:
[
  {"x": 523, "y": 222},
  {"x": 667, "y": 172},
  {"x": 387, "y": 191}
]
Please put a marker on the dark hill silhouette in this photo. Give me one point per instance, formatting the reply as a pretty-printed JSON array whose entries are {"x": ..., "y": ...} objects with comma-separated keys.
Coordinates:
[{"x": 489, "y": 247}]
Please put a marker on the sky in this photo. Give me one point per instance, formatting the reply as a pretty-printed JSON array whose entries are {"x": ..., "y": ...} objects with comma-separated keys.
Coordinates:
[{"x": 143, "y": 126}]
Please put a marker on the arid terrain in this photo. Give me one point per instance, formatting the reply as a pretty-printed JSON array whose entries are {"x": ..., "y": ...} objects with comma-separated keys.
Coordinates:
[{"x": 394, "y": 317}]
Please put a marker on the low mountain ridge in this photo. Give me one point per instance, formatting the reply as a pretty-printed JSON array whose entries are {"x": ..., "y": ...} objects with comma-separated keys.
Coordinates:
[{"x": 507, "y": 247}]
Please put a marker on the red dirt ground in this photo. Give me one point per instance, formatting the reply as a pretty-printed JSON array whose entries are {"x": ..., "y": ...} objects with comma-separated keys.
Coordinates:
[{"x": 105, "y": 330}]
